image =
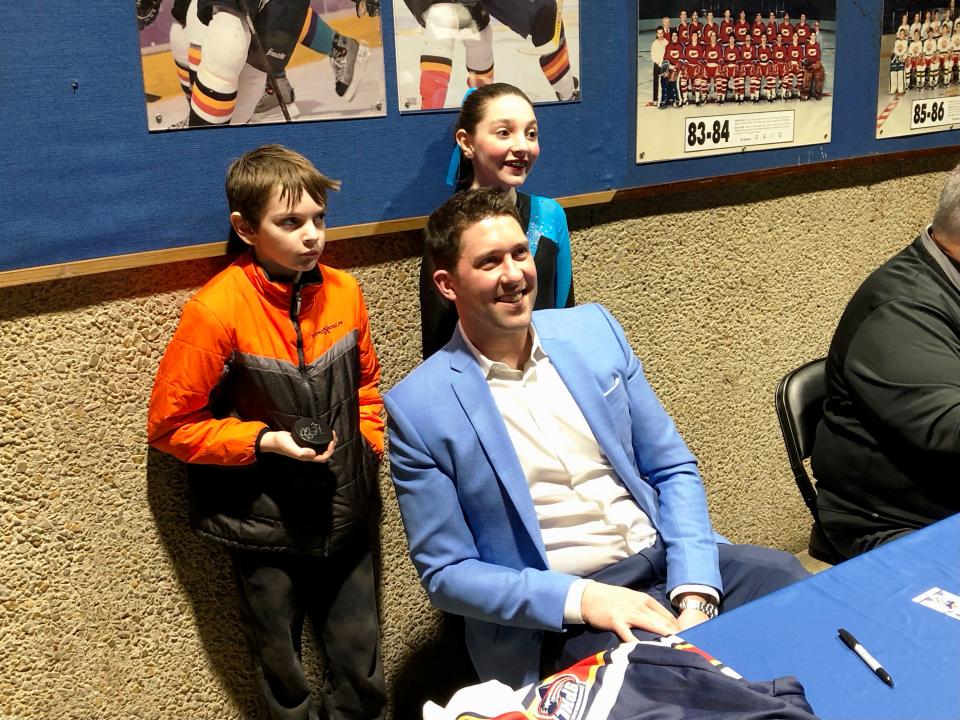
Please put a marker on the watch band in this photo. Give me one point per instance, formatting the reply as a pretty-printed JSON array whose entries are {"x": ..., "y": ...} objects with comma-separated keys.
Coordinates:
[{"x": 707, "y": 608}]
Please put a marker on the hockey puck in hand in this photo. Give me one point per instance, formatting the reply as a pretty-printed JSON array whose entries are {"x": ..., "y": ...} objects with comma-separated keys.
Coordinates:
[{"x": 313, "y": 434}]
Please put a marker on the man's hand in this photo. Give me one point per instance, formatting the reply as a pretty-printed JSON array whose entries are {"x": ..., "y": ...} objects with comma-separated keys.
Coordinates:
[
  {"x": 282, "y": 443},
  {"x": 617, "y": 609},
  {"x": 690, "y": 617}
]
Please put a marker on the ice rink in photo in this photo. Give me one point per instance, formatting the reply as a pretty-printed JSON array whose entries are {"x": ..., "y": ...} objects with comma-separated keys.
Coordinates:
[
  {"x": 309, "y": 73},
  {"x": 516, "y": 61}
]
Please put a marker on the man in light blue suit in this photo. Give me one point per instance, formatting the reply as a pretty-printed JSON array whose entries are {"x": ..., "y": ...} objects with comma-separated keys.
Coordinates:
[{"x": 546, "y": 494}]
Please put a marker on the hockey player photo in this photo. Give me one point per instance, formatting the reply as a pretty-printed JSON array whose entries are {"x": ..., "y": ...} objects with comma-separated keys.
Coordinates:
[
  {"x": 761, "y": 79},
  {"x": 209, "y": 63},
  {"x": 918, "y": 88},
  {"x": 447, "y": 46}
]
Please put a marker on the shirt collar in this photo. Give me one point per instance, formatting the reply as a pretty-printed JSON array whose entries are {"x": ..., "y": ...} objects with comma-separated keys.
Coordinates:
[
  {"x": 946, "y": 263},
  {"x": 489, "y": 367}
]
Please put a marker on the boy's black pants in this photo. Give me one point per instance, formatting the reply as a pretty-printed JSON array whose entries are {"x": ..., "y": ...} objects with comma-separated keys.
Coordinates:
[{"x": 277, "y": 591}]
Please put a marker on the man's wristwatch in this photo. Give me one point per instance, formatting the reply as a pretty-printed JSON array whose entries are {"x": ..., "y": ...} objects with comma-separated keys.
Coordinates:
[{"x": 707, "y": 608}]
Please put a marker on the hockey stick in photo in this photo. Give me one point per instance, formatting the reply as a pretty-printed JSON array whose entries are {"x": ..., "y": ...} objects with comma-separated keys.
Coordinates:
[{"x": 266, "y": 63}]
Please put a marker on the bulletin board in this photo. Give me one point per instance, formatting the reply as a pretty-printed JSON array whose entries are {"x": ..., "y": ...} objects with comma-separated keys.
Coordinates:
[{"x": 85, "y": 186}]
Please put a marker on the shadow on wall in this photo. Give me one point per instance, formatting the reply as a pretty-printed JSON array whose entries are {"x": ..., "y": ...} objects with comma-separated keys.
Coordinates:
[
  {"x": 204, "y": 572},
  {"x": 432, "y": 172},
  {"x": 435, "y": 671}
]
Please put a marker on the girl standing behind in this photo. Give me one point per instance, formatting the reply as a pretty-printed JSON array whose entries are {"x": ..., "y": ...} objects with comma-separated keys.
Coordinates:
[{"x": 497, "y": 145}]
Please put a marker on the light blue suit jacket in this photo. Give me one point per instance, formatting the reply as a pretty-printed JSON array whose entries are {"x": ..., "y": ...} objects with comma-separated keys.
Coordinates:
[{"x": 470, "y": 520}]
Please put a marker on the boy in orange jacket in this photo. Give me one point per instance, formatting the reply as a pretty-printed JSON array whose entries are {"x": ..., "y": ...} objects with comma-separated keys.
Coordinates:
[{"x": 268, "y": 390}]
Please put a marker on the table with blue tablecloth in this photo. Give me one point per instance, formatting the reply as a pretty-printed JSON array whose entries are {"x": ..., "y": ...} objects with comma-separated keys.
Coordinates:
[{"x": 794, "y": 632}]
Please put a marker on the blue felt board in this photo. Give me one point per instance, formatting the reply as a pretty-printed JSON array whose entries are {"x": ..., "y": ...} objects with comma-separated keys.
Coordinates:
[{"x": 82, "y": 178}]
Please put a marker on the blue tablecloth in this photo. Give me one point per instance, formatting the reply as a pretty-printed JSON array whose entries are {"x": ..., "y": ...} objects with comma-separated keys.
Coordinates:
[{"x": 794, "y": 632}]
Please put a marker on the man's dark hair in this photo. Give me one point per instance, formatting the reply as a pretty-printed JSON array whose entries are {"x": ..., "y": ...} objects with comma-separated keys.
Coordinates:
[{"x": 464, "y": 209}]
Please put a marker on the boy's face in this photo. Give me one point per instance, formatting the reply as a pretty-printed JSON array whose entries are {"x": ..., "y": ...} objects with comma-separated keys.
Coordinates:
[{"x": 289, "y": 239}]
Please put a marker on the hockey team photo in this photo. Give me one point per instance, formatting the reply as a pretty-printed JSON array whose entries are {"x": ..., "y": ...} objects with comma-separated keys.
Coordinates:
[
  {"x": 919, "y": 82},
  {"x": 715, "y": 78}
]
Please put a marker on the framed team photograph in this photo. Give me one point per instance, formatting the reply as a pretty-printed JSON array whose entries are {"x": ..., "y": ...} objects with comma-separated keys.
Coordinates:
[
  {"x": 237, "y": 62},
  {"x": 918, "y": 87},
  {"x": 719, "y": 78},
  {"x": 447, "y": 46}
]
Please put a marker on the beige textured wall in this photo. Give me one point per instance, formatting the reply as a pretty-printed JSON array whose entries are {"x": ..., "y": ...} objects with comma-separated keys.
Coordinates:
[{"x": 110, "y": 608}]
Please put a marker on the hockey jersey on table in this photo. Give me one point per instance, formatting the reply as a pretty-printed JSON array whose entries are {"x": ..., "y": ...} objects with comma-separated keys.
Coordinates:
[{"x": 665, "y": 679}]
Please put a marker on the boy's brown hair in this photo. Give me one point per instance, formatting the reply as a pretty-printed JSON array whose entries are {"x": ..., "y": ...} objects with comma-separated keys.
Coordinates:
[{"x": 254, "y": 177}]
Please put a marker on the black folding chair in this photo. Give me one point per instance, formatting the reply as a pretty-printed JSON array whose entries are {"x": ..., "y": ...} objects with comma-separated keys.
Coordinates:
[{"x": 799, "y": 400}]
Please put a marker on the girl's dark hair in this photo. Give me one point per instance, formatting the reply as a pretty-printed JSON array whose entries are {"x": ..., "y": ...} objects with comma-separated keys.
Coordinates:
[{"x": 471, "y": 113}]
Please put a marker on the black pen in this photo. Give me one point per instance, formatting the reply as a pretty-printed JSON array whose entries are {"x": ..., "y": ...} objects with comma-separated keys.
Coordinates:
[{"x": 851, "y": 642}]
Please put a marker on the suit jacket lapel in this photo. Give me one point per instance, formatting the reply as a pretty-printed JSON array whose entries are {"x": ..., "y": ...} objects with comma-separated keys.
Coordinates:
[
  {"x": 585, "y": 389},
  {"x": 478, "y": 404}
]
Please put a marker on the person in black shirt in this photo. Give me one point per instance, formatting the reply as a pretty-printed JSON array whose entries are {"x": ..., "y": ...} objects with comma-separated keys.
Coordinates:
[{"x": 887, "y": 450}]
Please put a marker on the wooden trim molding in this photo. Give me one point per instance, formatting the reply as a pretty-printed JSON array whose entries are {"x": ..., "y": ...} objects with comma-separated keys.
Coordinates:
[{"x": 196, "y": 252}]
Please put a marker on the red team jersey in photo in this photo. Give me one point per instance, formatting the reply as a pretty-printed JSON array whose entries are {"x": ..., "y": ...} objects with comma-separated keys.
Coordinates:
[
  {"x": 731, "y": 55},
  {"x": 812, "y": 53},
  {"x": 726, "y": 30},
  {"x": 748, "y": 57},
  {"x": 712, "y": 55},
  {"x": 779, "y": 52},
  {"x": 693, "y": 57},
  {"x": 772, "y": 32},
  {"x": 794, "y": 54},
  {"x": 673, "y": 53},
  {"x": 683, "y": 33},
  {"x": 803, "y": 32},
  {"x": 786, "y": 31},
  {"x": 741, "y": 30},
  {"x": 756, "y": 30},
  {"x": 711, "y": 28}
]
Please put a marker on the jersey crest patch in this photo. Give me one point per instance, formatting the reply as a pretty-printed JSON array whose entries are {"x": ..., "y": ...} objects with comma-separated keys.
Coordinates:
[{"x": 562, "y": 699}]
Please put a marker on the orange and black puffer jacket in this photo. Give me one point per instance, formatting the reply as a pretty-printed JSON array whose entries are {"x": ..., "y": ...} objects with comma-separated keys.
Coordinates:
[{"x": 252, "y": 355}]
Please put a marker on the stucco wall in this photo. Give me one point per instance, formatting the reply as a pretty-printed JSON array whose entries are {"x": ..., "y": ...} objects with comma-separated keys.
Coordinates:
[{"x": 111, "y": 608}]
